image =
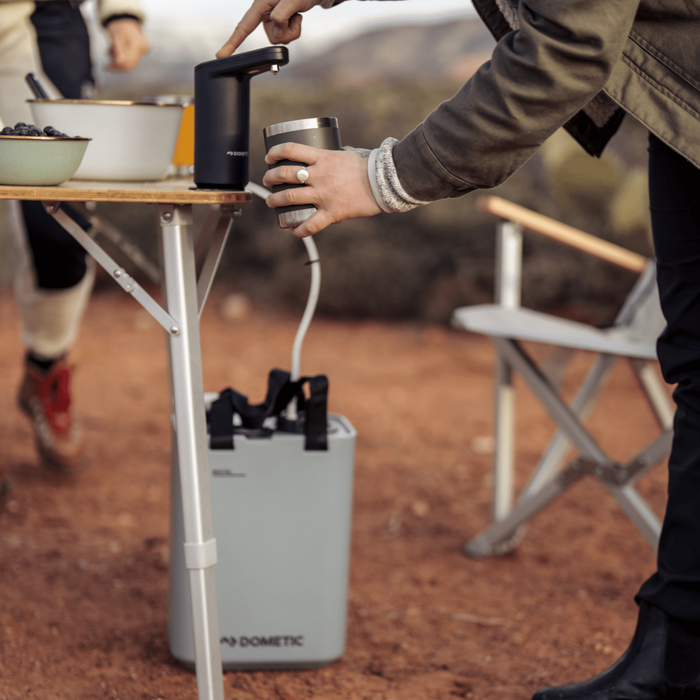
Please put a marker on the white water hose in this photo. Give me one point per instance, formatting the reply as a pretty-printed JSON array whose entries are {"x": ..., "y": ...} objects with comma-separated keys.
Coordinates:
[{"x": 291, "y": 412}]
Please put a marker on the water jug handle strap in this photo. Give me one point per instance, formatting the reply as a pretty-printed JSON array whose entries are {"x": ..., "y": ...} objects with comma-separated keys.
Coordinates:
[
  {"x": 280, "y": 392},
  {"x": 316, "y": 425},
  {"x": 220, "y": 417}
]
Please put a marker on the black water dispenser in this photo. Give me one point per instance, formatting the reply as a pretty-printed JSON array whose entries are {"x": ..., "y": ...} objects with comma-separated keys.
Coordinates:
[{"x": 222, "y": 115}]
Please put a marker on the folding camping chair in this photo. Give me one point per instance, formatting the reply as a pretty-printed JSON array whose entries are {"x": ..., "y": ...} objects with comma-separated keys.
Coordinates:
[{"x": 632, "y": 337}]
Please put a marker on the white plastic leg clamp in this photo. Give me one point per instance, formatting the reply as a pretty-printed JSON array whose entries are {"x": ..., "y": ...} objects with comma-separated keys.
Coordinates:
[{"x": 200, "y": 555}]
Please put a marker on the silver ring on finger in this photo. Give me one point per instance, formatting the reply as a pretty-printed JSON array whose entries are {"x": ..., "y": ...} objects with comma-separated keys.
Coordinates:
[{"x": 302, "y": 175}]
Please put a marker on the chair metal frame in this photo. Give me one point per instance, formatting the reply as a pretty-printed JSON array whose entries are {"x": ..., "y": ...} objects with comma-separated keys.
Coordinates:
[{"x": 551, "y": 477}]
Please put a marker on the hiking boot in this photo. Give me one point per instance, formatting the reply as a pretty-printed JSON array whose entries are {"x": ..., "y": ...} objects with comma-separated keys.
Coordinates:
[
  {"x": 661, "y": 663},
  {"x": 45, "y": 397}
]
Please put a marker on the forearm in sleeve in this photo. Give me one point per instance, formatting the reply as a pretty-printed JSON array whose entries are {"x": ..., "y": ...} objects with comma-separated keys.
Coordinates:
[{"x": 539, "y": 76}]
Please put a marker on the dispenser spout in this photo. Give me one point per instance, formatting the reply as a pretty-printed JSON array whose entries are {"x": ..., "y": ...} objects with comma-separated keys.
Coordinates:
[
  {"x": 222, "y": 115},
  {"x": 243, "y": 65}
]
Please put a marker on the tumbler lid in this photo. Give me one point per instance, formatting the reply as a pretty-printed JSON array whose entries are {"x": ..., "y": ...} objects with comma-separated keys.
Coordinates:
[{"x": 299, "y": 125}]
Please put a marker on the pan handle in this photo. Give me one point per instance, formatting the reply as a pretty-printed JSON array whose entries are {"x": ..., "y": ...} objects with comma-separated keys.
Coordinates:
[{"x": 36, "y": 87}]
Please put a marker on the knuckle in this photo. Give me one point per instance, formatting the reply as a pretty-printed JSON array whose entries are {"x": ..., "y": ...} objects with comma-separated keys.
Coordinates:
[
  {"x": 293, "y": 148},
  {"x": 317, "y": 222},
  {"x": 294, "y": 195}
]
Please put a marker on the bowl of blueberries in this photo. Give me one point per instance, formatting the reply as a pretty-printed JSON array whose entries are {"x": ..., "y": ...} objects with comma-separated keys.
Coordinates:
[{"x": 37, "y": 157}]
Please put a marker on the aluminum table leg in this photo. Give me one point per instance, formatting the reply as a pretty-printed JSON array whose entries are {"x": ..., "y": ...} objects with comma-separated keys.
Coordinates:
[
  {"x": 180, "y": 319},
  {"x": 191, "y": 437}
]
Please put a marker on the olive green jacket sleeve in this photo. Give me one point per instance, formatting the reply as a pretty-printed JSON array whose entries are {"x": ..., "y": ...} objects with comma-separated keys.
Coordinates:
[{"x": 539, "y": 76}]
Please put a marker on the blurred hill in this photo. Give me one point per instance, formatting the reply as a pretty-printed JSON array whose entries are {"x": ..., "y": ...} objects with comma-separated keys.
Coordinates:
[{"x": 451, "y": 51}]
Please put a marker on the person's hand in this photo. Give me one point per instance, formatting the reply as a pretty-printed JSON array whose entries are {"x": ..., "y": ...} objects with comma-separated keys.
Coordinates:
[
  {"x": 281, "y": 20},
  {"x": 338, "y": 185},
  {"x": 128, "y": 45}
]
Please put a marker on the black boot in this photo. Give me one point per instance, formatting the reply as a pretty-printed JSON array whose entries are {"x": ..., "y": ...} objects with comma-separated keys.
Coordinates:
[{"x": 662, "y": 661}]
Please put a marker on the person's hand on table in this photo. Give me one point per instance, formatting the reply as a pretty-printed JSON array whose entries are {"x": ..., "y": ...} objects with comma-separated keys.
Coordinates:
[
  {"x": 338, "y": 185},
  {"x": 128, "y": 45},
  {"x": 281, "y": 20}
]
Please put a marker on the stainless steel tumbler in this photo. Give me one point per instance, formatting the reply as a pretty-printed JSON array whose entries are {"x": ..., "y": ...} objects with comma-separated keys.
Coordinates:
[{"x": 321, "y": 132}]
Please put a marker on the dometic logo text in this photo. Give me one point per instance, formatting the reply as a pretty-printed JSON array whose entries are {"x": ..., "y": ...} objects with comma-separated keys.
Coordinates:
[
  {"x": 236, "y": 153},
  {"x": 280, "y": 641}
]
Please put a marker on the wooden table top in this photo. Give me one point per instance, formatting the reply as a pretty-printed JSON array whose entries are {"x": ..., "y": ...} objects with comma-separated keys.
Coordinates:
[{"x": 170, "y": 191}]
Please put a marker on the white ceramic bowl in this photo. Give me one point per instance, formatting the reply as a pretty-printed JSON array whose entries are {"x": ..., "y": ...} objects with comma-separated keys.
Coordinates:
[
  {"x": 130, "y": 140},
  {"x": 39, "y": 161}
]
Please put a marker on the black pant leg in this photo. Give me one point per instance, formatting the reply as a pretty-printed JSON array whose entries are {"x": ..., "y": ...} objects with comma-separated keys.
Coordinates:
[
  {"x": 59, "y": 260},
  {"x": 674, "y": 187},
  {"x": 64, "y": 47}
]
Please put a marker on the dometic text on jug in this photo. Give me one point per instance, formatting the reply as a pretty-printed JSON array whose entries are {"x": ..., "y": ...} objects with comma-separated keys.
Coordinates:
[{"x": 279, "y": 641}]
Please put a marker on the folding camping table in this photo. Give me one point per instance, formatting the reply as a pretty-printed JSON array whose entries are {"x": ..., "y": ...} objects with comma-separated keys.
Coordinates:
[{"x": 184, "y": 297}]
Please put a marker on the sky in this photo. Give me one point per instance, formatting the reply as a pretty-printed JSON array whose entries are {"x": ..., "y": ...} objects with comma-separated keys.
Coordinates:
[{"x": 320, "y": 27}]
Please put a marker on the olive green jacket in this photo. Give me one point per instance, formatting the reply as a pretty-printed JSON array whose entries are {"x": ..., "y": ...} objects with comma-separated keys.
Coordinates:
[{"x": 578, "y": 63}]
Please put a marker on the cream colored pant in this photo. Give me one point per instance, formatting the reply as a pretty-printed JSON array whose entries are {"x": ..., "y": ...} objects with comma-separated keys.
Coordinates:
[{"x": 50, "y": 318}]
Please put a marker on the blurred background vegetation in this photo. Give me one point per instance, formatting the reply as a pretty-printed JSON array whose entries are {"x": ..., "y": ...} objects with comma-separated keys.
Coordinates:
[{"x": 422, "y": 264}]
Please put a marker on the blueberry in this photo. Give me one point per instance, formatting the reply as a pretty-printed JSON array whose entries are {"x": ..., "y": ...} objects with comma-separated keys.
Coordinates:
[
  {"x": 35, "y": 132},
  {"x": 19, "y": 125},
  {"x": 55, "y": 133},
  {"x": 6, "y": 131}
]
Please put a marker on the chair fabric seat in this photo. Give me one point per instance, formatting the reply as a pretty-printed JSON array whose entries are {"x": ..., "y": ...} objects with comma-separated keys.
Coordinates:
[{"x": 525, "y": 324}]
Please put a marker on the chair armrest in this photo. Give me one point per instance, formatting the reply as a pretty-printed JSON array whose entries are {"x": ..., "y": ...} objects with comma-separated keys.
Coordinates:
[{"x": 563, "y": 233}]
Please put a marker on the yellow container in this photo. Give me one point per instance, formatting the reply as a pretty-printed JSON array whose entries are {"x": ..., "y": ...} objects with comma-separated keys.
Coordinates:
[{"x": 184, "y": 150}]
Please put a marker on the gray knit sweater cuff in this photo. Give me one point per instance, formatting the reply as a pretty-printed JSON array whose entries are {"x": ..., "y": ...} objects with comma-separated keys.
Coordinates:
[{"x": 384, "y": 180}]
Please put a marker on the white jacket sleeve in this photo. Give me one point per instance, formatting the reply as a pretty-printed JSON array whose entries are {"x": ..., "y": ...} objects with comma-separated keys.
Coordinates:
[
  {"x": 105, "y": 8},
  {"x": 109, "y": 8}
]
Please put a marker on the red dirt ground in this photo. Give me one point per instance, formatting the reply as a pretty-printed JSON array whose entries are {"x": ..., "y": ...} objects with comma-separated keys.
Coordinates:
[{"x": 83, "y": 561}]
